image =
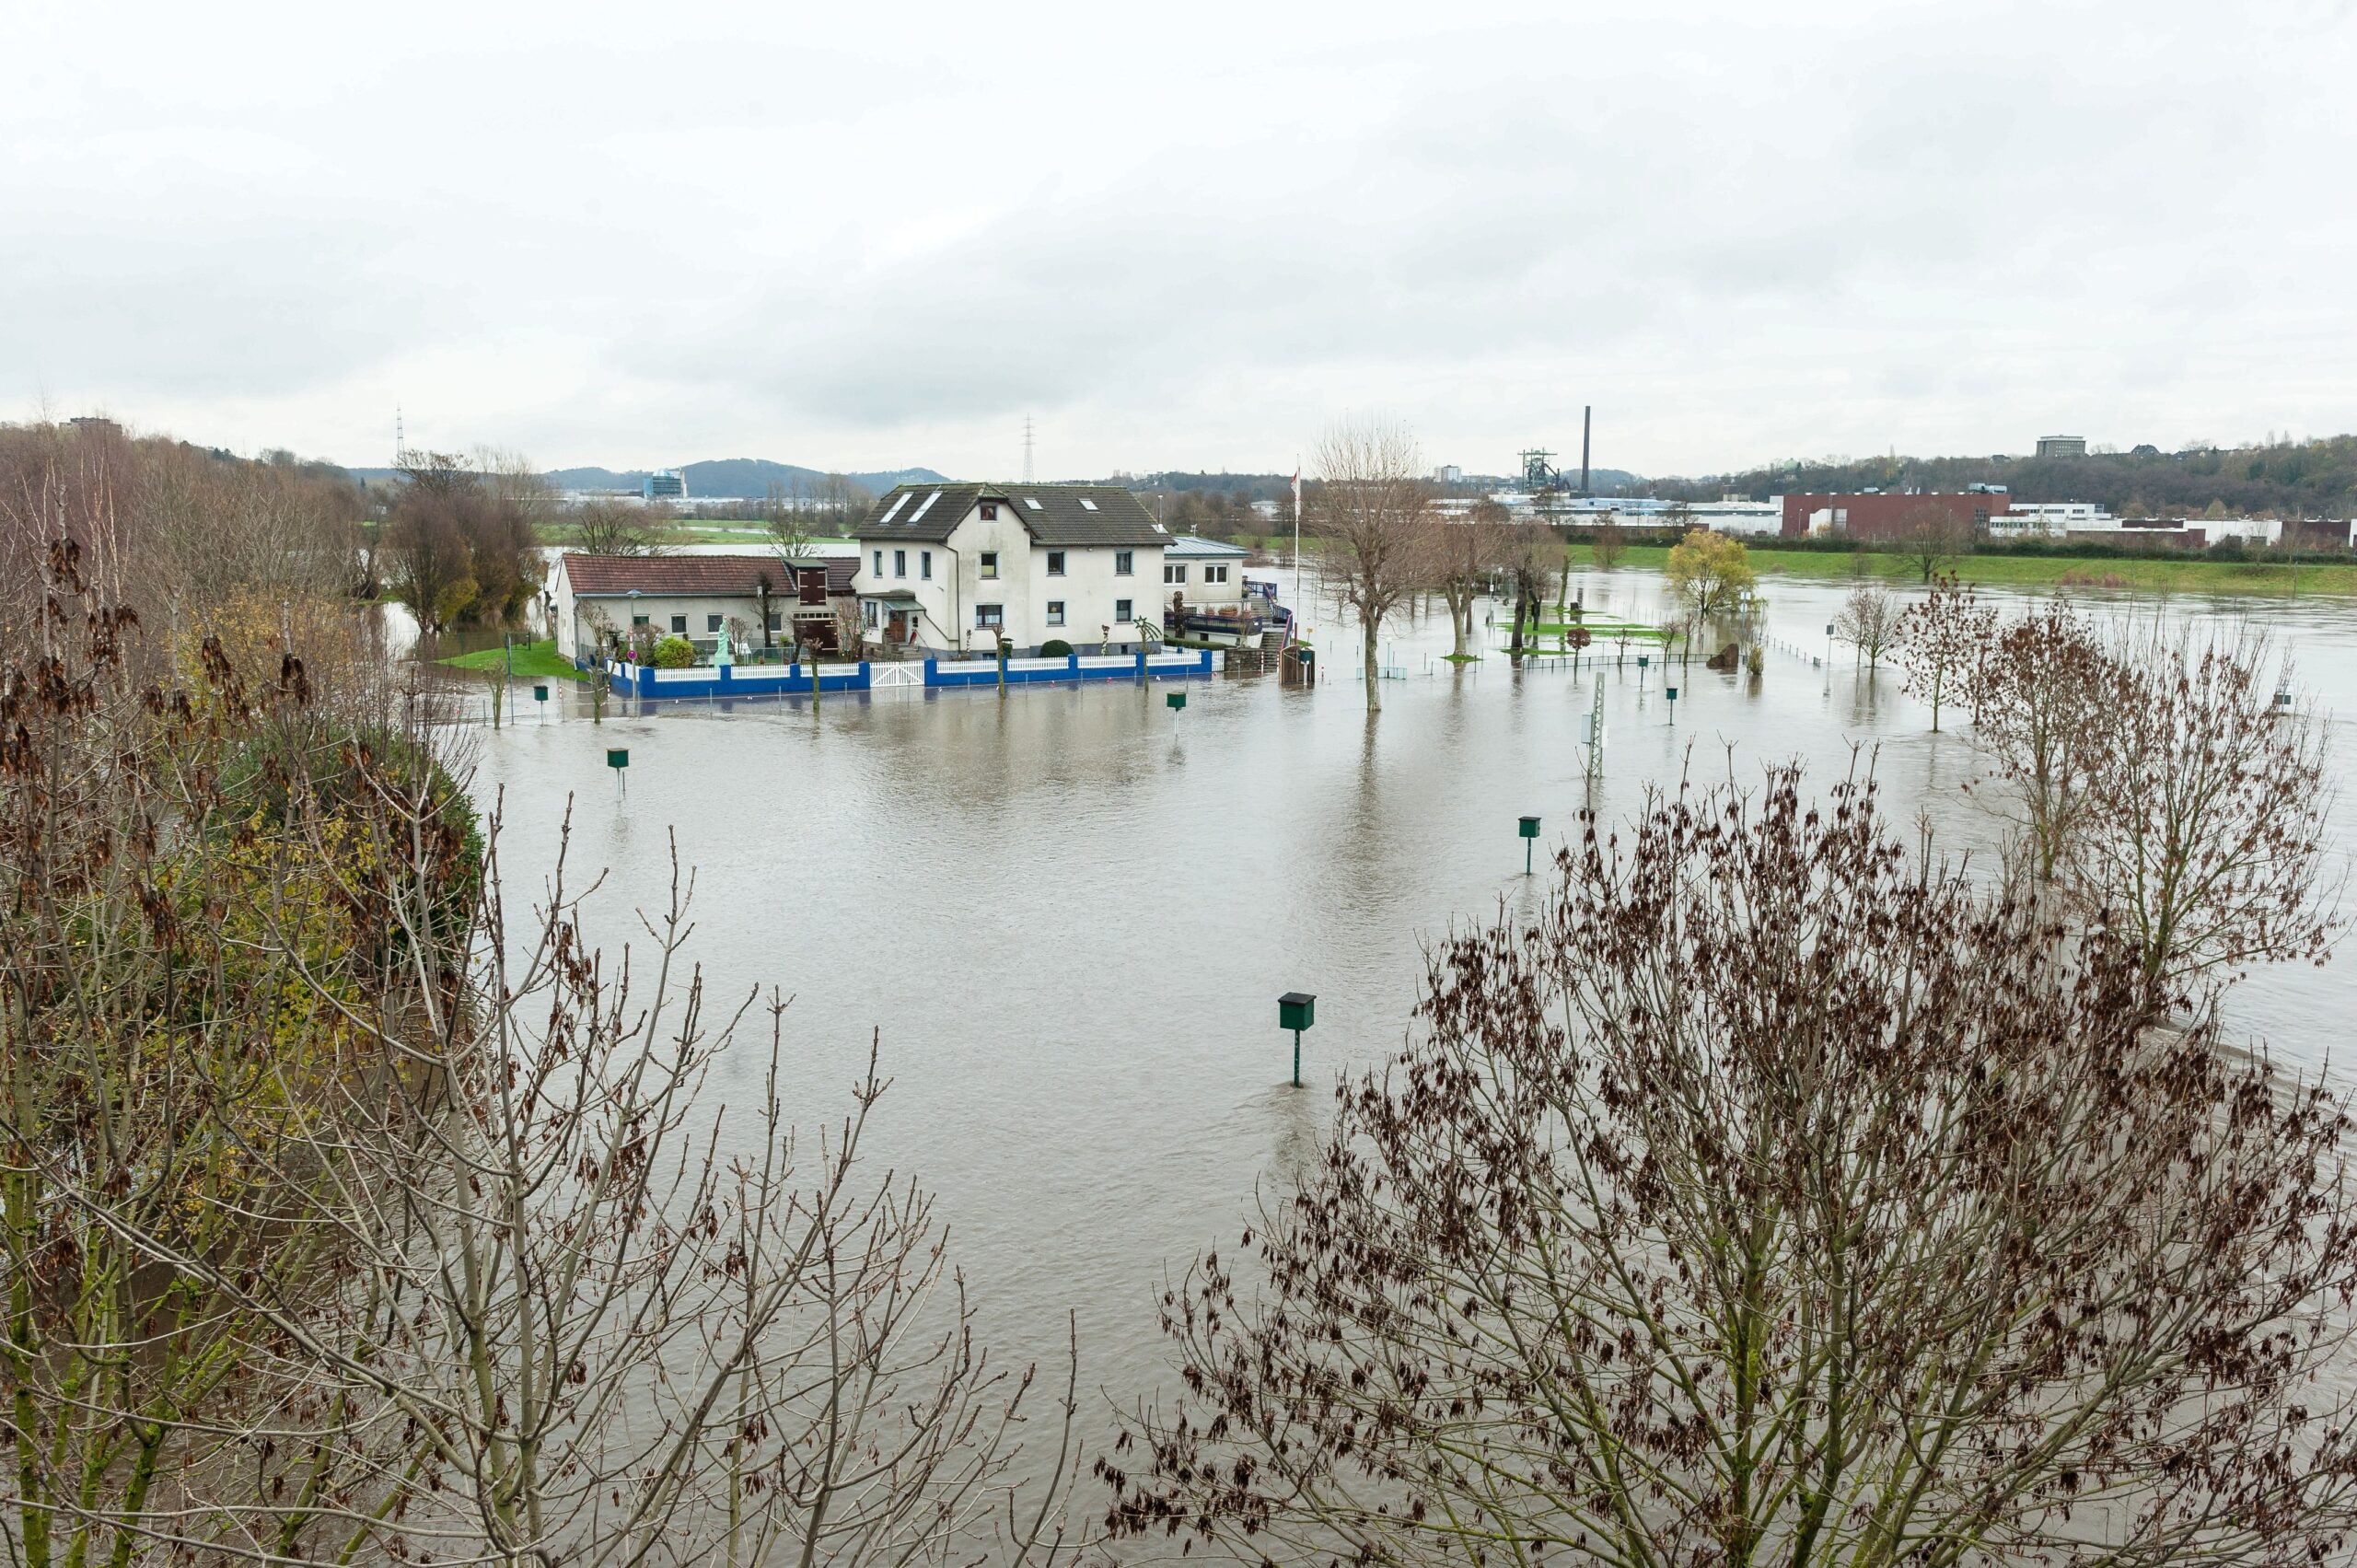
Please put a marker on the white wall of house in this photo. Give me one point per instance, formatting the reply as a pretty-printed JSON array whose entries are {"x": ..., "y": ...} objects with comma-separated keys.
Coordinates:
[
  {"x": 924, "y": 570},
  {"x": 1090, "y": 589},
  {"x": 688, "y": 616},
  {"x": 1213, "y": 585},
  {"x": 1094, "y": 591}
]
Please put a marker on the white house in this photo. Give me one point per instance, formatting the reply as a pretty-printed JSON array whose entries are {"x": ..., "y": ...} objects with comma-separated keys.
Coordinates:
[
  {"x": 1207, "y": 574},
  {"x": 946, "y": 567}
]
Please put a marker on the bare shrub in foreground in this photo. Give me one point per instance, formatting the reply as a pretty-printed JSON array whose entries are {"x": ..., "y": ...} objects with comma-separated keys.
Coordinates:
[
  {"x": 345, "y": 1222},
  {"x": 1769, "y": 1197}
]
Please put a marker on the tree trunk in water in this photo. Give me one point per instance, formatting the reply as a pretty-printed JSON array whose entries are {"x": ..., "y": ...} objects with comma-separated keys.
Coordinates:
[
  {"x": 1460, "y": 622},
  {"x": 1373, "y": 698}
]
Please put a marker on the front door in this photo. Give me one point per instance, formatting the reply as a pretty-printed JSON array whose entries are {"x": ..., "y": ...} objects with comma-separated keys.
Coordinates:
[{"x": 898, "y": 628}]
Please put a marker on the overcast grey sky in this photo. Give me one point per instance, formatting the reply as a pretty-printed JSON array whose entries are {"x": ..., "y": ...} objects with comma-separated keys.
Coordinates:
[{"x": 873, "y": 235}]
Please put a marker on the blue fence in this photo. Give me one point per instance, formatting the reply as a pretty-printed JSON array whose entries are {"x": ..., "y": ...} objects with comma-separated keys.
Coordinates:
[
  {"x": 749, "y": 680},
  {"x": 1072, "y": 667},
  {"x": 793, "y": 679}
]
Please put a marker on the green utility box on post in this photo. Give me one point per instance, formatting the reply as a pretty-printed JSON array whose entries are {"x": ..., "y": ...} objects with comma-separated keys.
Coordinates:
[
  {"x": 1174, "y": 701},
  {"x": 1529, "y": 831},
  {"x": 1296, "y": 1010}
]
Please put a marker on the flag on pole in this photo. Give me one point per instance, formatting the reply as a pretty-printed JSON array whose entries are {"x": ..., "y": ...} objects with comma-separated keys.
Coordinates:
[{"x": 1297, "y": 491}]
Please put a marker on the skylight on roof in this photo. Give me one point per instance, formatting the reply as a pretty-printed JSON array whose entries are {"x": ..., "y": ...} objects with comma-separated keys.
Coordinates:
[
  {"x": 900, "y": 501},
  {"x": 1160, "y": 529},
  {"x": 1033, "y": 502},
  {"x": 1091, "y": 506},
  {"x": 924, "y": 509}
]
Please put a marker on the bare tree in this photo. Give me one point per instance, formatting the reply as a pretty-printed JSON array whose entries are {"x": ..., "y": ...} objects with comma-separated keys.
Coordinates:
[
  {"x": 1527, "y": 555},
  {"x": 1868, "y": 620},
  {"x": 1770, "y": 1196},
  {"x": 1606, "y": 548},
  {"x": 2042, "y": 696},
  {"x": 1942, "y": 637},
  {"x": 1371, "y": 508},
  {"x": 609, "y": 526},
  {"x": 2207, "y": 841},
  {"x": 1935, "y": 538},
  {"x": 1463, "y": 554}
]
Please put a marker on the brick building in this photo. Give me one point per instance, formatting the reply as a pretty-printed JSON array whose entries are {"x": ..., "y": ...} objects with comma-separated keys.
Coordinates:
[{"x": 1885, "y": 516}]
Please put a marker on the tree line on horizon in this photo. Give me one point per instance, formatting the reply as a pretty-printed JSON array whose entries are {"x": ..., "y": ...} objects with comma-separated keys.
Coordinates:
[{"x": 2287, "y": 479}]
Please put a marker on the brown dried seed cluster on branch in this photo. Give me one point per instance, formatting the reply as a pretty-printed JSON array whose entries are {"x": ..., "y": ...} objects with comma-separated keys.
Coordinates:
[
  {"x": 1772, "y": 1197},
  {"x": 344, "y": 1221}
]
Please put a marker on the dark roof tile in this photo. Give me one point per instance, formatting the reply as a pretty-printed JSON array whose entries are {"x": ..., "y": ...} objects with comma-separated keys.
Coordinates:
[{"x": 1069, "y": 516}]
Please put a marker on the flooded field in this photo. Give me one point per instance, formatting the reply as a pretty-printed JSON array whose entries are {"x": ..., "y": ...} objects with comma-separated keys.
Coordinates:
[{"x": 1070, "y": 911}]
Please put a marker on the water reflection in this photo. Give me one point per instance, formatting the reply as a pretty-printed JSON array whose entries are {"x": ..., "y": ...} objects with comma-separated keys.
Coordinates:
[{"x": 1071, "y": 911}]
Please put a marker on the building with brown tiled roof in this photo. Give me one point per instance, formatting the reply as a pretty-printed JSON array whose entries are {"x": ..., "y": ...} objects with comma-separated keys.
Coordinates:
[{"x": 605, "y": 600}]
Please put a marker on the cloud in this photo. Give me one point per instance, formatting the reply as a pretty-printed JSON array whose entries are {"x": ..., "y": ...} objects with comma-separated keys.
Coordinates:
[{"x": 883, "y": 236}]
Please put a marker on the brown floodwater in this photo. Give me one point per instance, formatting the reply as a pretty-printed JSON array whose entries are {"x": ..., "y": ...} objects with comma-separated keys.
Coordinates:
[{"x": 1070, "y": 911}]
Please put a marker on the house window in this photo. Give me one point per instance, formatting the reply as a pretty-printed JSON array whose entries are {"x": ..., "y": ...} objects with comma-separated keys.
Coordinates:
[
  {"x": 989, "y": 563},
  {"x": 879, "y": 563},
  {"x": 869, "y": 613},
  {"x": 1055, "y": 563},
  {"x": 1055, "y": 613},
  {"x": 989, "y": 617},
  {"x": 1124, "y": 562},
  {"x": 925, "y": 564},
  {"x": 680, "y": 624},
  {"x": 1121, "y": 616},
  {"x": 900, "y": 563},
  {"x": 1175, "y": 574},
  {"x": 712, "y": 622},
  {"x": 990, "y": 511},
  {"x": 638, "y": 619},
  {"x": 777, "y": 622},
  {"x": 1211, "y": 574}
]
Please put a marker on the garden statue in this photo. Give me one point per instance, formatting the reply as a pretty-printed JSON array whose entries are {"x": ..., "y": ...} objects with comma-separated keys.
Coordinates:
[{"x": 722, "y": 654}]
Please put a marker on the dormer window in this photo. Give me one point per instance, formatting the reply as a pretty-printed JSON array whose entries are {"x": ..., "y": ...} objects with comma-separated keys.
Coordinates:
[{"x": 990, "y": 511}]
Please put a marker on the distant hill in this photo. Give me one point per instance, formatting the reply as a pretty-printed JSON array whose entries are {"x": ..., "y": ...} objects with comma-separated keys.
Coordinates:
[
  {"x": 741, "y": 479},
  {"x": 2315, "y": 478}
]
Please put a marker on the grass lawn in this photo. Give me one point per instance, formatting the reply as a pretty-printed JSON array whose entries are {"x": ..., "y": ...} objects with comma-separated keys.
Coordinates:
[
  {"x": 2030, "y": 571},
  {"x": 749, "y": 537},
  {"x": 534, "y": 661}
]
